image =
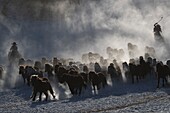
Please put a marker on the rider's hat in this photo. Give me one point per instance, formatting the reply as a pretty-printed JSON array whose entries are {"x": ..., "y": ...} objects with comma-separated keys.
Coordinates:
[{"x": 14, "y": 43}]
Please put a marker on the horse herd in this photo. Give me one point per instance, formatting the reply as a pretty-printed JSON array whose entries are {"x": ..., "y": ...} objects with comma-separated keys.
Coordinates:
[
  {"x": 75, "y": 80},
  {"x": 78, "y": 76}
]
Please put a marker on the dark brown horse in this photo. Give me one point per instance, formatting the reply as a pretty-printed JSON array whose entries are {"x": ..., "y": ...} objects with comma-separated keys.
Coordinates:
[
  {"x": 41, "y": 85},
  {"x": 97, "y": 80},
  {"x": 26, "y": 73},
  {"x": 162, "y": 72},
  {"x": 75, "y": 82}
]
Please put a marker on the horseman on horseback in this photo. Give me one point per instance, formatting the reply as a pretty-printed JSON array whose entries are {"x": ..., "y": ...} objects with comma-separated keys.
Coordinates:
[
  {"x": 14, "y": 55},
  {"x": 14, "y": 47},
  {"x": 158, "y": 32}
]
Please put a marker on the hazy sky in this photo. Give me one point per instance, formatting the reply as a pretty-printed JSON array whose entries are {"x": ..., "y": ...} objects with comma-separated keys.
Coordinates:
[{"x": 68, "y": 30}]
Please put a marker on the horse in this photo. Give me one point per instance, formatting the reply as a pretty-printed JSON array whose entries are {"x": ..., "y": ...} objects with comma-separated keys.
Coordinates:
[
  {"x": 41, "y": 85},
  {"x": 162, "y": 72}
]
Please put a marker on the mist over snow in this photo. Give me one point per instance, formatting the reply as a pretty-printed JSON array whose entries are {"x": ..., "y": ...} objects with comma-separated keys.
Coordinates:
[{"x": 58, "y": 28}]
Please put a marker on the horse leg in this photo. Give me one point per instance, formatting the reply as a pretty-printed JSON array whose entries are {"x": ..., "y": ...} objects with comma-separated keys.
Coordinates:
[
  {"x": 104, "y": 83},
  {"x": 166, "y": 81},
  {"x": 28, "y": 81},
  {"x": 34, "y": 95},
  {"x": 163, "y": 81},
  {"x": 23, "y": 78},
  {"x": 46, "y": 94},
  {"x": 94, "y": 88},
  {"x": 98, "y": 86},
  {"x": 132, "y": 79},
  {"x": 40, "y": 96},
  {"x": 158, "y": 82},
  {"x": 72, "y": 91},
  {"x": 80, "y": 90},
  {"x": 52, "y": 92},
  {"x": 75, "y": 91},
  {"x": 137, "y": 78},
  {"x": 163, "y": 84}
]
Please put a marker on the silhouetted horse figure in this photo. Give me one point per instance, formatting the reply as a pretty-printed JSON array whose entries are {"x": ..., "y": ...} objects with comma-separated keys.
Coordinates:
[
  {"x": 145, "y": 67},
  {"x": 49, "y": 70},
  {"x": 134, "y": 72},
  {"x": 14, "y": 56},
  {"x": 59, "y": 72},
  {"x": 75, "y": 82},
  {"x": 26, "y": 73},
  {"x": 22, "y": 72},
  {"x": 41, "y": 85},
  {"x": 126, "y": 70},
  {"x": 162, "y": 72},
  {"x": 97, "y": 80},
  {"x": 85, "y": 77}
]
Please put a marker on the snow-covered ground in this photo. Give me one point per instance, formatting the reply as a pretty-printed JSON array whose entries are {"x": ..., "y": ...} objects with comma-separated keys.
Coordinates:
[{"x": 120, "y": 97}]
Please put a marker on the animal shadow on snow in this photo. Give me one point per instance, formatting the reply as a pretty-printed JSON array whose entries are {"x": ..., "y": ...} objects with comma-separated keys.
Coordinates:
[
  {"x": 166, "y": 88},
  {"x": 24, "y": 92},
  {"x": 37, "y": 103},
  {"x": 120, "y": 88}
]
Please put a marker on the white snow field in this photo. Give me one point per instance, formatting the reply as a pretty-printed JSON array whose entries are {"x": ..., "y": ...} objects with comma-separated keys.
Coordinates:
[{"x": 121, "y": 97}]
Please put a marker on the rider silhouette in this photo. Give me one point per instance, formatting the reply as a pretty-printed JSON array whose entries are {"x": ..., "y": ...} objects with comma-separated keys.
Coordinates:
[
  {"x": 14, "y": 55},
  {"x": 157, "y": 29},
  {"x": 14, "y": 47},
  {"x": 157, "y": 32}
]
